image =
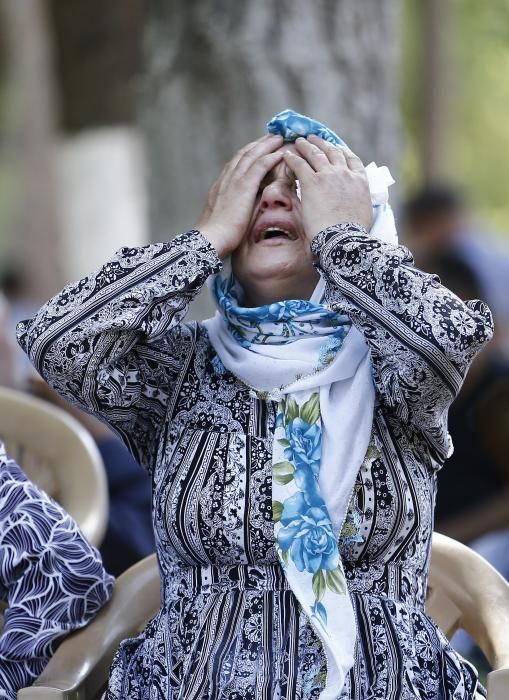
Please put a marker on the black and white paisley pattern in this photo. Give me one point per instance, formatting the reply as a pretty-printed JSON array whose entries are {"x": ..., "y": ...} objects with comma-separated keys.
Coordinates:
[
  {"x": 229, "y": 627},
  {"x": 51, "y": 577}
]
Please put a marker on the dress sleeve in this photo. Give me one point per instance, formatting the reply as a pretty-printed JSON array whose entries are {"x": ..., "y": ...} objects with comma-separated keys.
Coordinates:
[
  {"x": 110, "y": 343},
  {"x": 51, "y": 577},
  {"x": 422, "y": 337}
]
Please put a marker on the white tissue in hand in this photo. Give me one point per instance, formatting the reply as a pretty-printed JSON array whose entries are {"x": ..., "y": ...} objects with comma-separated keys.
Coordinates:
[
  {"x": 379, "y": 180},
  {"x": 384, "y": 226}
]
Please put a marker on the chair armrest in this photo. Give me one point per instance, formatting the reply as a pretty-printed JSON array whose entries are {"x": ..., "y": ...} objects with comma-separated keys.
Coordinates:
[
  {"x": 478, "y": 591},
  {"x": 498, "y": 684},
  {"x": 79, "y": 669}
]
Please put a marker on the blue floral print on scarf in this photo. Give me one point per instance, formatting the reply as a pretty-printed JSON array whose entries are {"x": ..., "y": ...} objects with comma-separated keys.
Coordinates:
[
  {"x": 305, "y": 536},
  {"x": 304, "y": 532},
  {"x": 281, "y": 322},
  {"x": 290, "y": 125}
]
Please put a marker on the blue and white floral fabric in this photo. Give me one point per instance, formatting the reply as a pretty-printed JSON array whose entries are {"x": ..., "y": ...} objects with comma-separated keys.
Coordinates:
[
  {"x": 279, "y": 323},
  {"x": 325, "y": 396},
  {"x": 290, "y": 125}
]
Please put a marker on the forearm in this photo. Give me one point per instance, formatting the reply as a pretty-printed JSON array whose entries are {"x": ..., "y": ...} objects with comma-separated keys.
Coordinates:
[
  {"x": 381, "y": 281},
  {"x": 420, "y": 335},
  {"x": 136, "y": 297}
]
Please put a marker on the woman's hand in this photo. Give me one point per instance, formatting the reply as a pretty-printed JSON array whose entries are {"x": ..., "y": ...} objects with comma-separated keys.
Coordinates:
[
  {"x": 230, "y": 202},
  {"x": 334, "y": 185}
]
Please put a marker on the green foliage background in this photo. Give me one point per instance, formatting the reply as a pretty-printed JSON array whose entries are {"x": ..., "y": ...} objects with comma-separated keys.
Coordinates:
[{"x": 477, "y": 133}]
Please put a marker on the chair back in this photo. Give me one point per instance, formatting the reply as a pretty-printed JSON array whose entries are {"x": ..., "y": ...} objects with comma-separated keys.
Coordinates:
[
  {"x": 81, "y": 664},
  {"x": 58, "y": 454}
]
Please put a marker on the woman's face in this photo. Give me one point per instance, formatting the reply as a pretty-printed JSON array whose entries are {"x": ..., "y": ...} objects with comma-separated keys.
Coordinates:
[{"x": 275, "y": 248}]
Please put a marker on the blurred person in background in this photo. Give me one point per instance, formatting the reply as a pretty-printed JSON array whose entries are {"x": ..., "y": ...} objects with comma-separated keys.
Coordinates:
[
  {"x": 16, "y": 304},
  {"x": 293, "y": 440},
  {"x": 473, "y": 488},
  {"x": 51, "y": 578},
  {"x": 437, "y": 221}
]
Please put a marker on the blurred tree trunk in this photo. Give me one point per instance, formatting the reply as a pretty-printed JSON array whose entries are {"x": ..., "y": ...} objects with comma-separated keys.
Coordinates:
[
  {"x": 97, "y": 54},
  {"x": 35, "y": 228},
  {"x": 216, "y": 72},
  {"x": 436, "y": 71},
  {"x": 99, "y": 155}
]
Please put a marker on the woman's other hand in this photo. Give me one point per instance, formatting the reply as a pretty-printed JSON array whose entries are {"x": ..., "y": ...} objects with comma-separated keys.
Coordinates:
[
  {"x": 230, "y": 202},
  {"x": 334, "y": 185}
]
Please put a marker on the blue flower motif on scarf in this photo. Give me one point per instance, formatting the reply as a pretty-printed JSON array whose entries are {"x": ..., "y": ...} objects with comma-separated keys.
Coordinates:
[
  {"x": 305, "y": 448},
  {"x": 283, "y": 321},
  {"x": 305, "y": 535}
]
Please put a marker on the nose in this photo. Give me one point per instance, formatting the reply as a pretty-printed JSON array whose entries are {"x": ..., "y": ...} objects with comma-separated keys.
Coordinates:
[{"x": 276, "y": 195}]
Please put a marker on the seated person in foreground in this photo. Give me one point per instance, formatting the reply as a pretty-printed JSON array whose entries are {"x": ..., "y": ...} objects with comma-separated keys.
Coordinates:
[{"x": 52, "y": 579}]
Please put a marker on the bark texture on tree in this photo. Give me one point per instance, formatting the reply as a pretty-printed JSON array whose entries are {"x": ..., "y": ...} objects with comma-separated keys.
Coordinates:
[{"x": 216, "y": 72}]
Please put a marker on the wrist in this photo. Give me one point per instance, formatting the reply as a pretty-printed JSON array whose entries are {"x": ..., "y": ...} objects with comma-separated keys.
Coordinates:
[
  {"x": 216, "y": 240},
  {"x": 342, "y": 224}
]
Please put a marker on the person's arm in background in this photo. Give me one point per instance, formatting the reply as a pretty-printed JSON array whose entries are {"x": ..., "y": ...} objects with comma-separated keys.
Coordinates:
[{"x": 51, "y": 577}]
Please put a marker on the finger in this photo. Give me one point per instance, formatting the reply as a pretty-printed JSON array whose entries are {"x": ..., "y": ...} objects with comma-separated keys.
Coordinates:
[
  {"x": 260, "y": 168},
  {"x": 232, "y": 163},
  {"x": 211, "y": 199},
  {"x": 298, "y": 165},
  {"x": 260, "y": 149},
  {"x": 353, "y": 161},
  {"x": 314, "y": 155},
  {"x": 240, "y": 164},
  {"x": 334, "y": 153}
]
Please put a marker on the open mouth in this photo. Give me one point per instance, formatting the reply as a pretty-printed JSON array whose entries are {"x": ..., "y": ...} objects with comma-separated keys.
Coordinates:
[{"x": 272, "y": 232}]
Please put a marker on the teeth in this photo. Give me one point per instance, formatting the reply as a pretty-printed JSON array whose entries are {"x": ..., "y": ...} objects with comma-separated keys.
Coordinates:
[{"x": 291, "y": 236}]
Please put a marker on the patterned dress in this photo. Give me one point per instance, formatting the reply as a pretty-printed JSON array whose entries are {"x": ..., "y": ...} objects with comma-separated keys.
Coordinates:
[
  {"x": 52, "y": 578},
  {"x": 229, "y": 627}
]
